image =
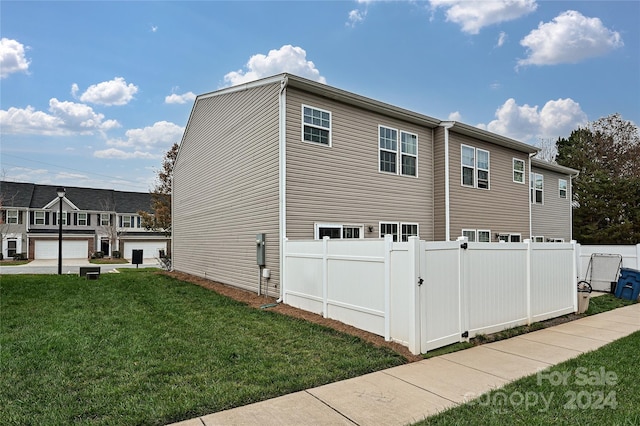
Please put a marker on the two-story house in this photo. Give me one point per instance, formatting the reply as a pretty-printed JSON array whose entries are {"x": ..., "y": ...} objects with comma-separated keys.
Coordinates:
[
  {"x": 93, "y": 220},
  {"x": 296, "y": 159}
]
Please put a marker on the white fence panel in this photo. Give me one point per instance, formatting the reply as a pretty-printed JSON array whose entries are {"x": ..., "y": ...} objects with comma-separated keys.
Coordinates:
[
  {"x": 303, "y": 265},
  {"x": 551, "y": 296},
  {"x": 403, "y": 303},
  {"x": 630, "y": 256},
  {"x": 495, "y": 283}
]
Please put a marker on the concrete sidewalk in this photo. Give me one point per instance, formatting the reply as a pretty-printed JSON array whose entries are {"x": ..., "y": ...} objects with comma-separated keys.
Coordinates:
[{"x": 409, "y": 393}]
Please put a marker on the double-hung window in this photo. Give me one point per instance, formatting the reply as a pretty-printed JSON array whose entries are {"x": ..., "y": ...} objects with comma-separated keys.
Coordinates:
[
  {"x": 104, "y": 219},
  {"x": 562, "y": 188},
  {"x": 537, "y": 186},
  {"x": 82, "y": 219},
  {"x": 12, "y": 216},
  {"x": 518, "y": 170},
  {"x": 398, "y": 158},
  {"x": 475, "y": 167},
  {"x": 316, "y": 125},
  {"x": 38, "y": 218},
  {"x": 64, "y": 218},
  {"x": 409, "y": 230},
  {"x": 128, "y": 221},
  {"x": 388, "y": 149}
]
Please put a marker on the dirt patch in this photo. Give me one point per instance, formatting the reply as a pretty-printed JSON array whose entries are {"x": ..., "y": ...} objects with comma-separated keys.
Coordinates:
[{"x": 252, "y": 299}]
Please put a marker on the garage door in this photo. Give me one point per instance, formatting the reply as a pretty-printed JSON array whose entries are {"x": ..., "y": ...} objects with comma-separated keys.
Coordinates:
[
  {"x": 150, "y": 249},
  {"x": 70, "y": 249}
]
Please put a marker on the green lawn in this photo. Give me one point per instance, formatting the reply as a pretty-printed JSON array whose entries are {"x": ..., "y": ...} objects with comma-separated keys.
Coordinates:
[
  {"x": 596, "y": 388},
  {"x": 143, "y": 348}
]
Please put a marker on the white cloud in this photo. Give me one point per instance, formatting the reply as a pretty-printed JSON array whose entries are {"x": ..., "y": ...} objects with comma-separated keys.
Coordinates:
[
  {"x": 66, "y": 118},
  {"x": 162, "y": 133},
  {"x": 114, "y": 92},
  {"x": 455, "y": 116},
  {"x": 527, "y": 123},
  {"x": 12, "y": 57},
  {"x": 123, "y": 155},
  {"x": 356, "y": 16},
  {"x": 286, "y": 59},
  {"x": 502, "y": 38},
  {"x": 472, "y": 16},
  {"x": 180, "y": 99},
  {"x": 569, "y": 38}
]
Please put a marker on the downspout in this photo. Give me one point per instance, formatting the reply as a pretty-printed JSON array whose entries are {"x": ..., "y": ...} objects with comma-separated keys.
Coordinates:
[
  {"x": 282, "y": 176},
  {"x": 447, "y": 202},
  {"x": 571, "y": 207},
  {"x": 531, "y": 155}
]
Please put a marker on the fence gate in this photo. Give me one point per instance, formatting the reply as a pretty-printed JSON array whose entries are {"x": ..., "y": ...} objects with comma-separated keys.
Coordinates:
[{"x": 440, "y": 311}]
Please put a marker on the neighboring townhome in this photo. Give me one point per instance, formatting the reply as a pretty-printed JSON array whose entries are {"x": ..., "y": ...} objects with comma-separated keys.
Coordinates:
[
  {"x": 551, "y": 202},
  {"x": 292, "y": 158},
  {"x": 93, "y": 220}
]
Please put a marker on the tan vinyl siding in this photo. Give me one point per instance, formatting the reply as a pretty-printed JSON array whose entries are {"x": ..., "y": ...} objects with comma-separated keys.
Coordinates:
[
  {"x": 504, "y": 208},
  {"x": 439, "y": 185},
  {"x": 226, "y": 188},
  {"x": 341, "y": 184},
  {"x": 552, "y": 219}
]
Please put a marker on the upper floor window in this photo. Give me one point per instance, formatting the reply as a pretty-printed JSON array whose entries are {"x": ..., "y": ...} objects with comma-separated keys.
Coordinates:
[
  {"x": 562, "y": 188},
  {"x": 64, "y": 218},
  {"x": 518, "y": 170},
  {"x": 475, "y": 167},
  {"x": 82, "y": 219},
  {"x": 389, "y": 155},
  {"x": 316, "y": 125},
  {"x": 104, "y": 219},
  {"x": 39, "y": 218},
  {"x": 129, "y": 221},
  {"x": 537, "y": 185},
  {"x": 12, "y": 216}
]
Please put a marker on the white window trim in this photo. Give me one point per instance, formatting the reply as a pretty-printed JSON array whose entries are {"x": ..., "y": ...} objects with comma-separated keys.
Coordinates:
[
  {"x": 475, "y": 168},
  {"x": 538, "y": 239},
  {"x": 533, "y": 190},
  {"x": 417, "y": 225},
  {"x": 104, "y": 216},
  {"x": 341, "y": 226},
  {"x": 566, "y": 188},
  {"x": 523, "y": 172},
  {"x": 398, "y": 236},
  {"x": 86, "y": 219},
  {"x": 35, "y": 217},
  {"x": 9, "y": 217},
  {"x": 398, "y": 152},
  {"x": 470, "y": 231},
  {"x": 330, "y": 128},
  {"x": 401, "y": 153},
  {"x": 488, "y": 231},
  {"x": 556, "y": 240},
  {"x": 380, "y": 127},
  {"x": 64, "y": 221}
]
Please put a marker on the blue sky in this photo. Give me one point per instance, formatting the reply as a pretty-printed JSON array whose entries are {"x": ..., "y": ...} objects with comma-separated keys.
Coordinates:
[{"x": 94, "y": 93}]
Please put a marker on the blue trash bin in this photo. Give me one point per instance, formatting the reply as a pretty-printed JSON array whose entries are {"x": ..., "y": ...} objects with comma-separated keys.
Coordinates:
[{"x": 628, "y": 286}]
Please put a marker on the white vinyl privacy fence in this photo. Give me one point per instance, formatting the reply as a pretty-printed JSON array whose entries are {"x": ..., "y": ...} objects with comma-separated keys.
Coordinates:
[{"x": 430, "y": 294}]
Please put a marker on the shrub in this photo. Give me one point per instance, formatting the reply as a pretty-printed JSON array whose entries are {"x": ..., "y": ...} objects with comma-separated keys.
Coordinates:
[{"x": 115, "y": 254}]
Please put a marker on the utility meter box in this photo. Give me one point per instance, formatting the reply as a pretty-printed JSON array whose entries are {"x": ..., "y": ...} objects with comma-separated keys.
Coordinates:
[{"x": 260, "y": 249}]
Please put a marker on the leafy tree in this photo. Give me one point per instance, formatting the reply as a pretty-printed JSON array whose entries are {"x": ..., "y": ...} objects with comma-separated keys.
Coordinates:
[
  {"x": 607, "y": 190},
  {"x": 160, "y": 218}
]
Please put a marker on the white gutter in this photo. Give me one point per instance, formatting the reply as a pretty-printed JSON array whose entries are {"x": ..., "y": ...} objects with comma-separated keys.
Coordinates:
[
  {"x": 447, "y": 202},
  {"x": 282, "y": 178}
]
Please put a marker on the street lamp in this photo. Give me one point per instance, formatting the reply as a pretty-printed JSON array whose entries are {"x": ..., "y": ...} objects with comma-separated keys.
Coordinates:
[{"x": 60, "y": 192}]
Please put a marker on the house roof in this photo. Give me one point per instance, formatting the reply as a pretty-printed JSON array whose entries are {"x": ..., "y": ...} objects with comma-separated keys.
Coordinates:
[
  {"x": 369, "y": 104},
  {"x": 35, "y": 196},
  {"x": 535, "y": 162}
]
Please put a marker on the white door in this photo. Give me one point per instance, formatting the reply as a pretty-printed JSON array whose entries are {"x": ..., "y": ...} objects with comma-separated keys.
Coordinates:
[
  {"x": 150, "y": 249},
  {"x": 48, "y": 249}
]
